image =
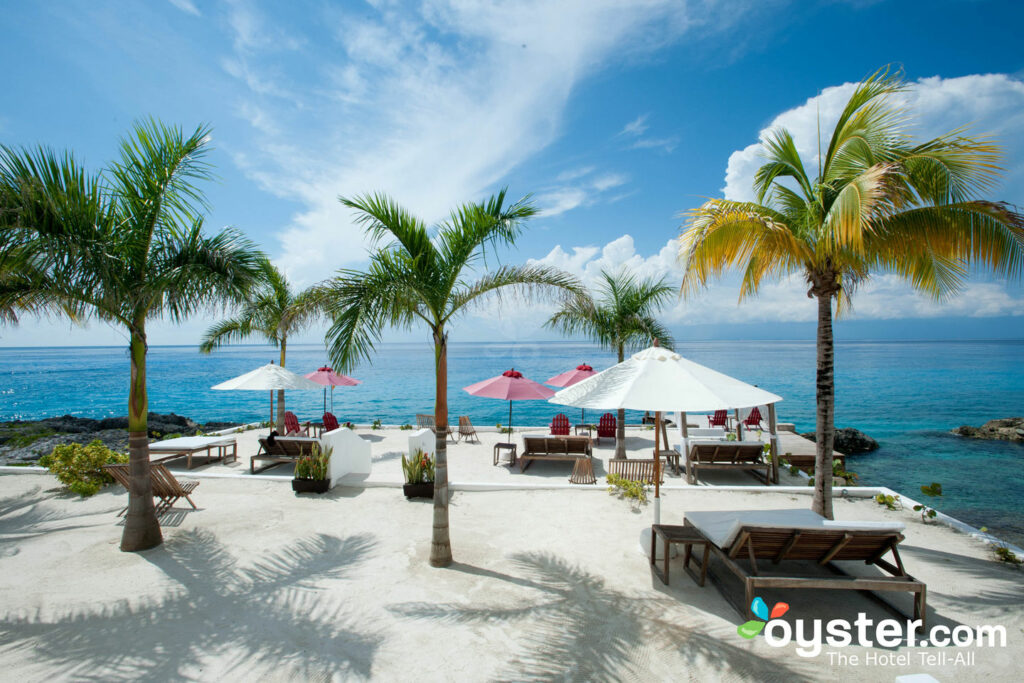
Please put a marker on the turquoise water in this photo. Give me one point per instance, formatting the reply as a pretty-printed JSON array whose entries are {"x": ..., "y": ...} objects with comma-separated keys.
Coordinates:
[{"x": 905, "y": 394}]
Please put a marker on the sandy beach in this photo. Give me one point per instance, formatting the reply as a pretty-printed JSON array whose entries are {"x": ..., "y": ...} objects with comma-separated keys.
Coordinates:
[{"x": 262, "y": 584}]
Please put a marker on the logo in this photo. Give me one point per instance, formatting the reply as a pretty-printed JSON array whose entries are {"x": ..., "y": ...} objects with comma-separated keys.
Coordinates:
[{"x": 760, "y": 610}]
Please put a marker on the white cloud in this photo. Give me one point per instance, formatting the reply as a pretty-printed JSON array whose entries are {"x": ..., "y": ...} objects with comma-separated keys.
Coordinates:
[
  {"x": 635, "y": 127},
  {"x": 588, "y": 190},
  {"x": 433, "y": 104},
  {"x": 186, "y": 6},
  {"x": 883, "y": 297},
  {"x": 667, "y": 144},
  {"x": 992, "y": 104}
]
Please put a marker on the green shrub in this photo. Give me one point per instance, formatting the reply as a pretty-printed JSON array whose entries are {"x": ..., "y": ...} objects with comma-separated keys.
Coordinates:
[
  {"x": 891, "y": 502},
  {"x": 377, "y": 424},
  {"x": 80, "y": 468},
  {"x": 406, "y": 427},
  {"x": 626, "y": 488},
  {"x": 1004, "y": 554},
  {"x": 418, "y": 468},
  {"x": 314, "y": 465},
  {"x": 933, "y": 490}
]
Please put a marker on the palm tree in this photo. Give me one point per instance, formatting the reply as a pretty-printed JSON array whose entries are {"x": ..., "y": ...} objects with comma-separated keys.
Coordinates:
[
  {"x": 880, "y": 202},
  {"x": 622, "y": 317},
  {"x": 273, "y": 312},
  {"x": 427, "y": 276},
  {"x": 124, "y": 247}
]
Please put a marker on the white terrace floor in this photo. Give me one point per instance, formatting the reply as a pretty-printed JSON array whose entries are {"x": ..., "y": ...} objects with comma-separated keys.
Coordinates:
[{"x": 473, "y": 462}]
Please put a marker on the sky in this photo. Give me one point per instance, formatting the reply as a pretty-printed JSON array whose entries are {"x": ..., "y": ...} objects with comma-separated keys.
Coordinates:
[{"x": 616, "y": 116}]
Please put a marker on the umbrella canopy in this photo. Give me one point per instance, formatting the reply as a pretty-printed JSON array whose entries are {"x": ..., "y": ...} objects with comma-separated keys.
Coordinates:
[
  {"x": 270, "y": 377},
  {"x": 662, "y": 380},
  {"x": 329, "y": 378},
  {"x": 510, "y": 386},
  {"x": 570, "y": 377}
]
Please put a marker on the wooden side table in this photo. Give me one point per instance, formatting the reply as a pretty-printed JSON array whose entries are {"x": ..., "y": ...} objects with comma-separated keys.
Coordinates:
[
  {"x": 689, "y": 537},
  {"x": 510, "y": 448}
]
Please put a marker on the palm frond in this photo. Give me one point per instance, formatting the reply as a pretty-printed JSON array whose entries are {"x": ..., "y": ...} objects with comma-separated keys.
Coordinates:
[{"x": 527, "y": 282}]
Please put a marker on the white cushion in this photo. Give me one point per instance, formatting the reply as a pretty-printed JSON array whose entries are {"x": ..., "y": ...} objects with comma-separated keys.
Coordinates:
[{"x": 723, "y": 526}]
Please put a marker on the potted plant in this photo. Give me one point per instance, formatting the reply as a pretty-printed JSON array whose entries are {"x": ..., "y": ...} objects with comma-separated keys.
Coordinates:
[
  {"x": 419, "y": 475},
  {"x": 311, "y": 472}
]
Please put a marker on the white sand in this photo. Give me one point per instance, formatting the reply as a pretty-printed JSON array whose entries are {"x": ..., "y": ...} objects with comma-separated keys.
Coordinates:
[{"x": 262, "y": 584}]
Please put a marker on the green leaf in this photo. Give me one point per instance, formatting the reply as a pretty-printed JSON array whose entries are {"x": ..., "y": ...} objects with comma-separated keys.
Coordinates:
[{"x": 750, "y": 629}]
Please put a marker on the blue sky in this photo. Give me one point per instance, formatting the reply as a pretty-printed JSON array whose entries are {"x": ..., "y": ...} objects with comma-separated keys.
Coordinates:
[{"x": 615, "y": 115}]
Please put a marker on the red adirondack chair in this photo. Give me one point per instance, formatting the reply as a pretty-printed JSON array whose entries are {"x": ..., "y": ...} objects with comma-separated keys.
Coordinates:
[
  {"x": 754, "y": 419},
  {"x": 560, "y": 425},
  {"x": 719, "y": 419},
  {"x": 291, "y": 425},
  {"x": 606, "y": 427},
  {"x": 330, "y": 422}
]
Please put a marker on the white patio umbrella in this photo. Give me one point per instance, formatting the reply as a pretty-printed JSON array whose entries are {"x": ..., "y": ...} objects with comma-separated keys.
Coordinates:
[
  {"x": 270, "y": 378},
  {"x": 661, "y": 380}
]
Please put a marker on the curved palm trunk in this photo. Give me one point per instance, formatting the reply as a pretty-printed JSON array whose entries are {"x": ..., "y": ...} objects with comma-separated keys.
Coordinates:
[
  {"x": 141, "y": 529},
  {"x": 620, "y": 425},
  {"x": 440, "y": 541},
  {"x": 825, "y": 427},
  {"x": 280, "y": 394}
]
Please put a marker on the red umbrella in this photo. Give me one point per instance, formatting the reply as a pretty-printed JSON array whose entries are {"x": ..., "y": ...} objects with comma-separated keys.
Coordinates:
[
  {"x": 330, "y": 378},
  {"x": 567, "y": 379},
  {"x": 510, "y": 386}
]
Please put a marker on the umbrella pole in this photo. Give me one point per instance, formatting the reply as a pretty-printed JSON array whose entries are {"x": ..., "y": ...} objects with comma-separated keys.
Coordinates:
[
  {"x": 657, "y": 467},
  {"x": 510, "y": 420},
  {"x": 325, "y": 399},
  {"x": 271, "y": 409}
]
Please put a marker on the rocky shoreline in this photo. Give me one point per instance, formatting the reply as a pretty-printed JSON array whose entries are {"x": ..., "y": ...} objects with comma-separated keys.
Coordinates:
[
  {"x": 848, "y": 441},
  {"x": 1003, "y": 429},
  {"x": 27, "y": 440}
]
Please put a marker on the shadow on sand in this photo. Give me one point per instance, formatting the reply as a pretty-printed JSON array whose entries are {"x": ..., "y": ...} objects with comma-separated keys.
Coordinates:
[
  {"x": 262, "y": 614},
  {"x": 572, "y": 625}
]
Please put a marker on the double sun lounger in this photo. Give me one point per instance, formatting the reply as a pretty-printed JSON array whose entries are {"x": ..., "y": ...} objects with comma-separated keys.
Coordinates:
[{"x": 773, "y": 544}]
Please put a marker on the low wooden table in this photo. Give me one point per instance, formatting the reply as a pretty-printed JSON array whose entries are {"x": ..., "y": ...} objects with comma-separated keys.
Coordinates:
[
  {"x": 584, "y": 430},
  {"x": 510, "y": 448},
  {"x": 160, "y": 451},
  {"x": 688, "y": 536}
]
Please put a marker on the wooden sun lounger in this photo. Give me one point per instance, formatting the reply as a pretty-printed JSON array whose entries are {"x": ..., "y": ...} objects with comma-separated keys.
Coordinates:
[
  {"x": 166, "y": 488},
  {"x": 284, "y": 449},
  {"x": 575, "y": 449},
  {"x": 727, "y": 455},
  {"x": 821, "y": 545}
]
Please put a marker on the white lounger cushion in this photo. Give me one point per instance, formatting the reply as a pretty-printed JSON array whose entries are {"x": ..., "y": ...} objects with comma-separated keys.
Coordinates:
[{"x": 723, "y": 526}]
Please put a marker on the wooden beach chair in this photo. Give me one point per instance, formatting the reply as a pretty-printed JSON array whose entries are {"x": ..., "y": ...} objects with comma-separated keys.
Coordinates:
[
  {"x": 719, "y": 419},
  {"x": 727, "y": 455},
  {"x": 635, "y": 469},
  {"x": 282, "y": 449},
  {"x": 560, "y": 425},
  {"x": 466, "y": 429},
  {"x": 428, "y": 422},
  {"x": 330, "y": 422},
  {"x": 763, "y": 539},
  {"x": 606, "y": 427},
  {"x": 754, "y": 419},
  {"x": 291, "y": 425},
  {"x": 166, "y": 489}
]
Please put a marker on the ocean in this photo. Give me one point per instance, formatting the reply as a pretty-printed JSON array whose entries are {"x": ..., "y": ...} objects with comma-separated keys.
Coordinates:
[{"x": 907, "y": 395}]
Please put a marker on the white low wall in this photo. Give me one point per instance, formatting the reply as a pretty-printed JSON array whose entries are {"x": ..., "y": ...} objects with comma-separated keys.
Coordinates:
[
  {"x": 349, "y": 454},
  {"x": 423, "y": 440}
]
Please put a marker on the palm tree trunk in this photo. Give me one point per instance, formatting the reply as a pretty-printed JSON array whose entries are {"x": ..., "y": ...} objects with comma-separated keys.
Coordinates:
[
  {"x": 620, "y": 425},
  {"x": 280, "y": 393},
  {"x": 440, "y": 542},
  {"x": 825, "y": 427},
  {"x": 141, "y": 529}
]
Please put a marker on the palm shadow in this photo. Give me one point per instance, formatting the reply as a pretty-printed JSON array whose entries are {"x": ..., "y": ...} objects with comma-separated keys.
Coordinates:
[
  {"x": 27, "y": 515},
  {"x": 267, "y": 613},
  {"x": 573, "y": 625}
]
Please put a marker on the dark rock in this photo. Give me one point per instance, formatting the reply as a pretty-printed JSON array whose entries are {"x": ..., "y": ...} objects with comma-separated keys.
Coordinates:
[
  {"x": 1004, "y": 429},
  {"x": 216, "y": 426},
  {"x": 848, "y": 441}
]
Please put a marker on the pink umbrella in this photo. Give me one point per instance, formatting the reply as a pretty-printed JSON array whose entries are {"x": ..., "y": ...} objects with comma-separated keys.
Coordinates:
[
  {"x": 329, "y": 378},
  {"x": 510, "y": 386},
  {"x": 567, "y": 379}
]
